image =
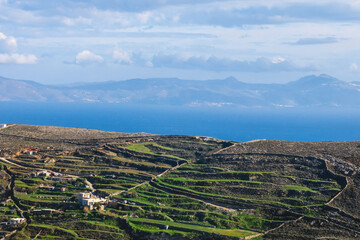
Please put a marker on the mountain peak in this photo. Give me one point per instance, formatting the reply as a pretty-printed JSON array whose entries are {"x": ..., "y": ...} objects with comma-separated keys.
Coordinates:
[
  {"x": 313, "y": 80},
  {"x": 325, "y": 75},
  {"x": 231, "y": 79}
]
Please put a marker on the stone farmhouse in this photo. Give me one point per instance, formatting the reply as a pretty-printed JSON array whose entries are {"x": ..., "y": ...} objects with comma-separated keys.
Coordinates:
[{"x": 89, "y": 199}]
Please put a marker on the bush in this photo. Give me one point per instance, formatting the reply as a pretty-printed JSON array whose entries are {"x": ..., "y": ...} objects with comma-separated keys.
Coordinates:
[{"x": 86, "y": 209}]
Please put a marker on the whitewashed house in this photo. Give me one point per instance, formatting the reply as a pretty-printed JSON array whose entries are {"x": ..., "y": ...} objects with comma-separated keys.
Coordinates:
[
  {"x": 43, "y": 173},
  {"x": 16, "y": 221},
  {"x": 88, "y": 199},
  {"x": 83, "y": 195},
  {"x": 3, "y": 125}
]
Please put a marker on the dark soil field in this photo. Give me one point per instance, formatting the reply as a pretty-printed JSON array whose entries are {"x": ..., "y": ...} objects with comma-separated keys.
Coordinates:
[{"x": 175, "y": 187}]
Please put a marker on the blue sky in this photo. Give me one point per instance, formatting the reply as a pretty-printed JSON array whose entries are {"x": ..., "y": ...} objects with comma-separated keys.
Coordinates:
[{"x": 259, "y": 41}]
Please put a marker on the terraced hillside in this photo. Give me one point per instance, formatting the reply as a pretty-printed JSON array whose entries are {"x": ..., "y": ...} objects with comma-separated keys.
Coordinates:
[{"x": 174, "y": 187}]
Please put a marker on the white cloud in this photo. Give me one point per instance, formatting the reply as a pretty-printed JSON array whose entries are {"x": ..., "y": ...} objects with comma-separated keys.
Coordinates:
[
  {"x": 68, "y": 21},
  {"x": 13, "y": 15},
  {"x": 176, "y": 18},
  {"x": 123, "y": 57},
  {"x": 278, "y": 60},
  {"x": 7, "y": 44},
  {"x": 108, "y": 17},
  {"x": 144, "y": 17},
  {"x": 87, "y": 57},
  {"x": 74, "y": 21},
  {"x": 18, "y": 58},
  {"x": 354, "y": 67}
]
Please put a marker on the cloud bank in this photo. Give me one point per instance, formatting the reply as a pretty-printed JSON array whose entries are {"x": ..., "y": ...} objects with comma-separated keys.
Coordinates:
[
  {"x": 315, "y": 41},
  {"x": 148, "y": 38},
  {"x": 18, "y": 58},
  {"x": 225, "y": 64}
]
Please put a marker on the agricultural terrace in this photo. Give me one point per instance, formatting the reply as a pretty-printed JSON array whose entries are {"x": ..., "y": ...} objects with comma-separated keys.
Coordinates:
[{"x": 171, "y": 187}]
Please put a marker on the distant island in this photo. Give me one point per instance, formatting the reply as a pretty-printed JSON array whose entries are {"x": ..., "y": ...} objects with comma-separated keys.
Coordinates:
[
  {"x": 313, "y": 91},
  {"x": 70, "y": 183}
]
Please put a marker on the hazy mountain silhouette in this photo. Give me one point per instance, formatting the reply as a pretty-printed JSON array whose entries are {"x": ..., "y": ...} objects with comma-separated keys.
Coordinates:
[{"x": 322, "y": 90}]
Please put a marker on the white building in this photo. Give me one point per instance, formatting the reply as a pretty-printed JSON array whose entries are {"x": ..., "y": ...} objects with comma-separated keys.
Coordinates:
[
  {"x": 15, "y": 221},
  {"x": 3, "y": 125},
  {"x": 43, "y": 173},
  {"x": 88, "y": 199},
  {"x": 84, "y": 195}
]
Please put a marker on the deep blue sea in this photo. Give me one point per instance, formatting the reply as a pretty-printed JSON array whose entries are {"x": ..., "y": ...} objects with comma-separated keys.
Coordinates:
[{"x": 333, "y": 124}]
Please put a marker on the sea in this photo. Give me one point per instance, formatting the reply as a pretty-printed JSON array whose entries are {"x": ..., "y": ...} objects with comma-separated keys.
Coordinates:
[{"x": 228, "y": 123}]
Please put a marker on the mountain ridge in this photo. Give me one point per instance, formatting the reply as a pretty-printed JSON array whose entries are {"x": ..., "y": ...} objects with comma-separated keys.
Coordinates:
[{"x": 312, "y": 90}]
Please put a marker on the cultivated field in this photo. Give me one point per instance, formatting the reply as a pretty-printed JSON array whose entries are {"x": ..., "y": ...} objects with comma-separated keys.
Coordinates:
[{"x": 175, "y": 187}]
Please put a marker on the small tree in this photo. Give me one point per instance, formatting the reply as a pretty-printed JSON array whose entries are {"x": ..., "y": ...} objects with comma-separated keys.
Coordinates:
[{"x": 201, "y": 216}]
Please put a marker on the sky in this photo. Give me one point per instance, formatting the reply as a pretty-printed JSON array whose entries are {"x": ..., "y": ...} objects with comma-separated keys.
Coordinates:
[{"x": 256, "y": 41}]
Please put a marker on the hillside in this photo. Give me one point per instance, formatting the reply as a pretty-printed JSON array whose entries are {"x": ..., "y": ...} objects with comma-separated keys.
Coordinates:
[
  {"x": 175, "y": 187},
  {"x": 314, "y": 91}
]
